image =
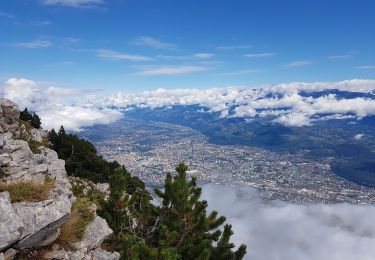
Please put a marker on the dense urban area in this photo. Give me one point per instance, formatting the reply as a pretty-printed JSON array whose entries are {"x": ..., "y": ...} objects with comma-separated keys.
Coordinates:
[{"x": 156, "y": 147}]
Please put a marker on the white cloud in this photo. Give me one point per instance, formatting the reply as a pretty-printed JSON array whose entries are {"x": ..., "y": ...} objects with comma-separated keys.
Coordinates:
[
  {"x": 283, "y": 103},
  {"x": 54, "y": 105},
  {"x": 169, "y": 70},
  {"x": 294, "y": 119},
  {"x": 154, "y": 43},
  {"x": 285, "y": 231},
  {"x": 35, "y": 44},
  {"x": 298, "y": 63},
  {"x": 240, "y": 72},
  {"x": 187, "y": 57},
  {"x": 260, "y": 55},
  {"x": 40, "y": 23},
  {"x": 204, "y": 55},
  {"x": 358, "y": 136},
  {"x": 233, "y": 47},
  {"x": 115, "y": 55},
  {"x": 366, "y": 67},
  {"x": 7, "y": 15},
  {"x": 340, "y": 57},
  {"x": 73, "y": 3}
]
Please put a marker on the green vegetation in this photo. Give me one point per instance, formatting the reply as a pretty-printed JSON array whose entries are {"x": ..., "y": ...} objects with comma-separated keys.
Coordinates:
[
  {"x": 85, "y": 189},
  {"x": 180, "y": 228},
  {"x": 80, "y": 157},
  {"x": 33, "y": 118},
  {"x": 35, "y": 146},
  {"x": 81, "y": 215},
  {"x": 2, "y": 174},
  {"x": 30, "y": 191}
]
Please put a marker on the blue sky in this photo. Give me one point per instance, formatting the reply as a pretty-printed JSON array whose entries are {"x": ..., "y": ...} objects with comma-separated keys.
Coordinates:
[{"x": 136, "y": 45}]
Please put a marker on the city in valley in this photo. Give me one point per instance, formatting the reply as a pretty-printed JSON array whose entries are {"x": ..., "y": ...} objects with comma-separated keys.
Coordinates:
[{"x": 156, "y": 148}]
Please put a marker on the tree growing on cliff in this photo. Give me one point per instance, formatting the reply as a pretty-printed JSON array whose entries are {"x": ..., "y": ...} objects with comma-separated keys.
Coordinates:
[
  {"x": 178, "y": 228},
  {"x": 32, "y": 118}
]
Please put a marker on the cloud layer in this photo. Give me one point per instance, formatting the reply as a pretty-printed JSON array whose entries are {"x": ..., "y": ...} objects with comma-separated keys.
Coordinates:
[
  {"x": 289, "y": 104},
  {"x": 285, "y": 231},
  {"x": 292, "y": 104},
  {"x": 55, "y": 105}
]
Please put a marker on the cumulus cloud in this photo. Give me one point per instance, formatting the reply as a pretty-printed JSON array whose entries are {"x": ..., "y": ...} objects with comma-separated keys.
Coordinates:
[
  {"x": 115, "y": 55},
  {"x": 35, "y": 44},
  {"x": 288, "y": 104},
  {"x": 73, "y": 3},
  {"x": 154, "y": 43},
  {"x": 169, "y": 70},
  {"x": 284, "y": 231},
  {"x": 55, "y": 105}
]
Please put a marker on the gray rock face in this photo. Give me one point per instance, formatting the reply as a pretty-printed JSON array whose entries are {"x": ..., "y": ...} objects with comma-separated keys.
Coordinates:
[
  {"x": 36, "y": 135},
  {"x": 56, "y": 253},
  {"x": 10, "y": 254},
  {"x": 41, "y": 219},
  {"x": 11, "y": 225},
  {"x": 103, "y": 187},
  {"x": 99, "y": 254},
  {"x": 36, "y": 224},
  {"x": 96, "y": 232},
  {"x": 9, "y": 114}
]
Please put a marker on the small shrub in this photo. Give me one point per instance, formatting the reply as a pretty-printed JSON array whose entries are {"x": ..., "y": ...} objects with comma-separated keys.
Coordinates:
[
  {"x": 2, "y": 174},
  {"x": 27, "y": 125},
  {"x": 81, "y": 215},
  {"x": 35, "y": 146},
  {"x": 29, "y": 191},
  {"x": 89, "y": 191}
]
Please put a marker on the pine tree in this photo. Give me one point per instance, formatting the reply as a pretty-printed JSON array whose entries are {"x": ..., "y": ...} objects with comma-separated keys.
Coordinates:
[
  {"x": 35, "y": 121},
  {"x": 185, "y": 224},
  {"x": 25, "y": 115},
  {"x": 53, "y": 138},
  {"x": 62, "y": 131}
]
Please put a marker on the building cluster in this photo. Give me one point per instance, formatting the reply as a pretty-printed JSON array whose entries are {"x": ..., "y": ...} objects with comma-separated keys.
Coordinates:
[{"x": 156, "y": 148}]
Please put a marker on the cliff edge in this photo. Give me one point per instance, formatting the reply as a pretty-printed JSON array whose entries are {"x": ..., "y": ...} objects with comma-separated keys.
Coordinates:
[{"x": 37, "y": 205}]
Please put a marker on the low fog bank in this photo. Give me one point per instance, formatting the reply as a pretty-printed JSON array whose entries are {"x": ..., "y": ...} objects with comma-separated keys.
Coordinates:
[{"x": 285, "y": 231}]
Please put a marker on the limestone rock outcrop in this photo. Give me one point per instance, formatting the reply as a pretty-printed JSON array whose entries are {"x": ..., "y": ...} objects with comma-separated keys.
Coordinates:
[{"x": 27, "y": 224}]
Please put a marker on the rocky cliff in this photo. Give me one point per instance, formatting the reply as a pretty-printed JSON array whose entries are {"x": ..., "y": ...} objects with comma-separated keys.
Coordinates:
[{"x": 36, "y": 198}]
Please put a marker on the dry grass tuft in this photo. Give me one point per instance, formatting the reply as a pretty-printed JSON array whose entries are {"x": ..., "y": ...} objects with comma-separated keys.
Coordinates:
[
  {"x": 81, "y": 215},
  {"x": 29, "y": 191}
]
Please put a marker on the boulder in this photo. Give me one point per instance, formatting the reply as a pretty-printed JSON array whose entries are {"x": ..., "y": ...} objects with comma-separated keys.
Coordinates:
[
  {"x": 96, "y": 232},
  {"x": 41, "y": 219},
  {"x": 9, "y": 114},
  {"x": 10, "y": 254},
  {"x": 99, "y": 254},
  {"x": 56, "y": 253},
  {"x": 36, "y": 135},
  {"x": 103, "y": 187},
  {"x": 11, "y": 225}
]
